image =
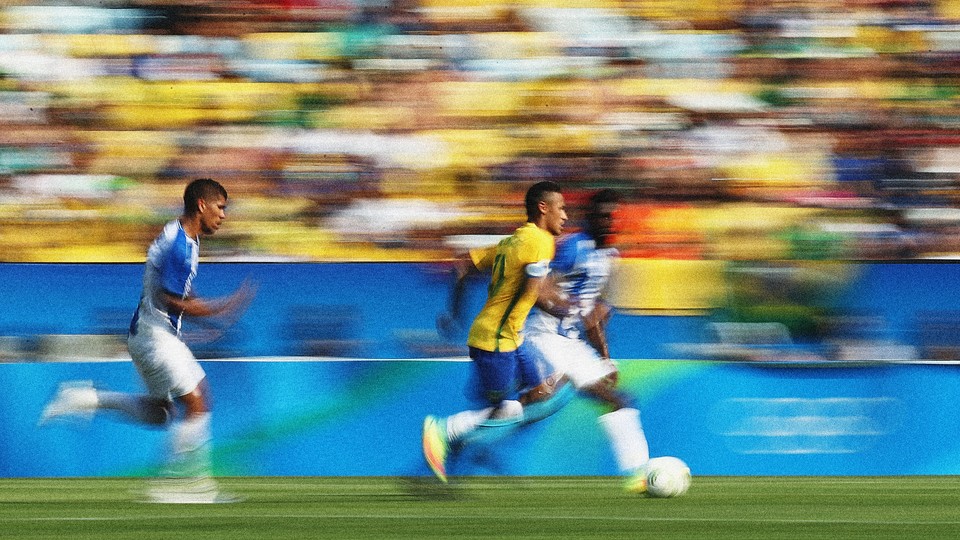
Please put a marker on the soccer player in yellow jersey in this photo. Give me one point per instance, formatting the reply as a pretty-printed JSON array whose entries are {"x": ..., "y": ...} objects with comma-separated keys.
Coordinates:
[{"x": 518, "y": 265}]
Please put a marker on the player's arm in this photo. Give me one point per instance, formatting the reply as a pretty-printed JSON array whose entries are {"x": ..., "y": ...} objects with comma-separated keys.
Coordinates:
[
  {"x": 594, "y": 324},
  {"x": 463, "y": 267},
  {"x": 542, "y": 283},
  {"x": 175, "y": 268},
  {"x": 550, "y": 298},
  {"x": 193, "y": 306}
]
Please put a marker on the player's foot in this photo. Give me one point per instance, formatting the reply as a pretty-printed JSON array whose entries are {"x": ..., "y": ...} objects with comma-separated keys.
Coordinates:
[
  {"x": 186, "y": 491},
  {"x": 76, "y": 399},
  {"x": 637, "y": 481},
  {"x": 435, "y": 446},
  {"x": 191, "y": 498}
]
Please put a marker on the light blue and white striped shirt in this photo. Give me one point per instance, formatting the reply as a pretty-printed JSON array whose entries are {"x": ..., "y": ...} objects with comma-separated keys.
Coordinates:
[
  {"x": 582, "y": 272},
  {"x": 171, "y": 266}
]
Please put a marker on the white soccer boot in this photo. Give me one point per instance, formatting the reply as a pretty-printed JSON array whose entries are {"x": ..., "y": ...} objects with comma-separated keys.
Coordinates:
[
  {"x": 198, "y": 490},
  {"x": 75, "y": 399}
]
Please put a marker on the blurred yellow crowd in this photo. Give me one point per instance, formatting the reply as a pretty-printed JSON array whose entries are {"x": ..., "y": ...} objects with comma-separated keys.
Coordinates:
[{"x": 404, "y": 129}]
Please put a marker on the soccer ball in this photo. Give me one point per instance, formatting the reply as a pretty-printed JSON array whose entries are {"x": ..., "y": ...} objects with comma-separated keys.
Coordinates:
[{"x": 667, "y": 477}]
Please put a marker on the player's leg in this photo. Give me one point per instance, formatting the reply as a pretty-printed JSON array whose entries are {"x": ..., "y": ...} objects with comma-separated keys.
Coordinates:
[
  {"x": 139, "y": 408},
  {"x": 624, "y": 432},
  {"x": 74, "y": 400},
  {"x": 461, "y": 424},
  {"x": 181, "y": 377},
  {"x": 190, "y": 435},
  {"x": 629, "y": 445},
  {"x": 501, "y": 376},
  {"x": 497, "y": 375},
  {"x": 174, "y": 372},
  {"x": 596, "y": 378},
  {"x": 155, "y": 408},
  {"x": 81, "y": 400},
  {"x": 622, "y": 425},
  {"x": 555, "y": 390}
]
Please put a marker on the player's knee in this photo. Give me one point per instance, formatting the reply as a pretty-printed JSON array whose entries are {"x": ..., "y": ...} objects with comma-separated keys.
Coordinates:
[
  {"x": 159, "y": 412},
  {"x": 194, "y": 403},
  {"x": 544, "y": 390},
  {"x": 606, "y": 393}
]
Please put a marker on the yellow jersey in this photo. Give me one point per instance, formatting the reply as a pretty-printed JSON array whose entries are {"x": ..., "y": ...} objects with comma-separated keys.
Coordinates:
[{"x": 526, "y": 253}]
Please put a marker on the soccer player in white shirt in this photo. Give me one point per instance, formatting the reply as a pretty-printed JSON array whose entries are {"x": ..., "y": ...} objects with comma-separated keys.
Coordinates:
[
  {"x": 178, "y": 395},
  {"x": 571, "y": 340}
]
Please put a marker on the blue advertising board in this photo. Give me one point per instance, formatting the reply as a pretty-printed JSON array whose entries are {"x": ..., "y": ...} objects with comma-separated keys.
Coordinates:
[
  {"x": 334, "y": 366},
  {"x": 359, "y": 418}
]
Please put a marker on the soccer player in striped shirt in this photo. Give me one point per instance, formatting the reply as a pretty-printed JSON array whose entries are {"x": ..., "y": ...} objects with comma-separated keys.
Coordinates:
[
  {"x": 573, "y": 346},
  {"x": 177, "y": 392}
]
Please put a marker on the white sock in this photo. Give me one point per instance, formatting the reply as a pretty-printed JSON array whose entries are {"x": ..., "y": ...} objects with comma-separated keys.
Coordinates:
[
  {"x": 190, "y": 446},
  {"x": 626, "y": 438},
  {"x": 508, "y": 410},
  {"x": 463, "y": 423},
  {"x": 136, "y": 407}
]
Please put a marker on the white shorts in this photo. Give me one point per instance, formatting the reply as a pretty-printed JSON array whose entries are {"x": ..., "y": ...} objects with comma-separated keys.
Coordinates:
[
  {"x": 165, "y": 363},
  {"x": 575, "y": 358}
]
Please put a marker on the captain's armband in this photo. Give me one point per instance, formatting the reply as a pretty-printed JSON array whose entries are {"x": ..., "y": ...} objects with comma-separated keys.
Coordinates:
[{"x": 538, "y": 269}]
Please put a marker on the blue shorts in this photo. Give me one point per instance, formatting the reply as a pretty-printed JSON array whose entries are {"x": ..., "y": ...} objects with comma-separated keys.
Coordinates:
[{"x": 502, "y": 375}]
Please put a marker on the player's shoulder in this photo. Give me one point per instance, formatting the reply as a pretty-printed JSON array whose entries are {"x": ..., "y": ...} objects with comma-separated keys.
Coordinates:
[
  {"x": 531, "y": 243},
  {"x": 171, "y": 230},
  {"x": 575, "y": 243},
  {"x": 574, "y": 240},
  {"x": 567, "y": 250},
  {"x": 531, "y": 234},
  {"x": 527, "y": 230},
  {"x": 172, "y": 238}
]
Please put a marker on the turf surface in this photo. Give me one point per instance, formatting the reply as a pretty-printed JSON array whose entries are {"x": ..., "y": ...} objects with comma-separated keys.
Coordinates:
[{"x": 498, "y": 507}]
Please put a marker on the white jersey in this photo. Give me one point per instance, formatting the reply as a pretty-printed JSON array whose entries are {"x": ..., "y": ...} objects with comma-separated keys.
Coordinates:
[
  {"x": 171, "y": 266},
  {"x": 583, "y": 273}
]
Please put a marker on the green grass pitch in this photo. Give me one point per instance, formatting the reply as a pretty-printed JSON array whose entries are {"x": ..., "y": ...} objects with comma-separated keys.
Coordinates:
[{"x": 491, "y": 507}]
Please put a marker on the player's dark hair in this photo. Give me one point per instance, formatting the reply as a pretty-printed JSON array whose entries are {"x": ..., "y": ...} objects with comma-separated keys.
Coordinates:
[
  {"x": 201, "y": 188},
  {"x": 537, "y": 194},
  {"x": 604, "y": 196}
]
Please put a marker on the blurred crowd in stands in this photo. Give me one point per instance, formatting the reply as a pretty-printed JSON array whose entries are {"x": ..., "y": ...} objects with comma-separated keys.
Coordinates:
[{"x": 403, "y": 129}]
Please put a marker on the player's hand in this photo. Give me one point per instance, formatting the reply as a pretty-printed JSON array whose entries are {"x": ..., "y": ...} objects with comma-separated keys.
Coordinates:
[
  {"x": 229, "y": 309},
  {"x": 238, "y": 302},
  {"x": 598, "y": 316},
  {"x": 448, "y": 326}
]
